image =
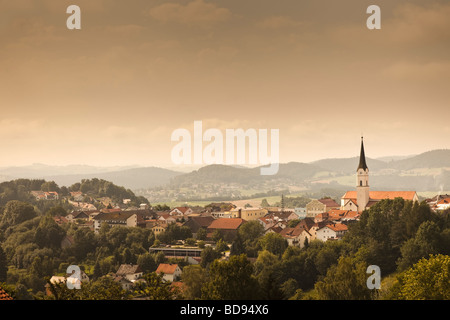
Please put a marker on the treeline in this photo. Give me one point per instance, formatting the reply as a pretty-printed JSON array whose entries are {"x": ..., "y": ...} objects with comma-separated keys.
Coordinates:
[
  {"x": 98, "y": 188},
  {"x": 19, "y": 189}
]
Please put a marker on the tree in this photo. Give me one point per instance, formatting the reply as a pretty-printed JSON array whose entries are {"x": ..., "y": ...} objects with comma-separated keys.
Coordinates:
[
  {"x": 344, "y": 281},
  {"x": 16, "y": 212},
  {"x": 201, "y": 234},
  {"x": 147, "y": 263},
  {"x": 264, "y": 203},
  {"x": 231, "y": 280},
  {"x": 426, "y": 242},
  {"x": 49, "y": 233},
  {"x": 274, "y": 243},
  {"x": 193, "y": 277},
  {"x": 250, "y": 232},
  {"x": 3, "y": 265},
  {"x": 429, "y": 279},
  {"x": 208, "y": 255},
  {"x": 155, "y": 288}
]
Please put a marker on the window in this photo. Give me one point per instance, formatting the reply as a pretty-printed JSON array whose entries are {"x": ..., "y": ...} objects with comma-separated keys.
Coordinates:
[{"x": 360, "y": 183}]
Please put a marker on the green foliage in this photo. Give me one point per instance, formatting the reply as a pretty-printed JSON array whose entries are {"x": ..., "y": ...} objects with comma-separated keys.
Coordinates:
[
  {"x": 98, "y": 188},
  {"x": 274, "y": 243},
  {"x": 155, "y": 288},
  {"x": 344, "y": 281},
  {"x": 193, "y": 277},
  {"x": 16, "y": 212},
  {"x": 428, "y": 279},
  {"x": 208, "y": 255},
  {"x": 230, "y": 280},
  {"x": 249, "y": 233}
]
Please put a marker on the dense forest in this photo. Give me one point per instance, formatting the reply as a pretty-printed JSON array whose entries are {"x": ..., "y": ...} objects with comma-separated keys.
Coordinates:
[{"x": 409, "y": 242}]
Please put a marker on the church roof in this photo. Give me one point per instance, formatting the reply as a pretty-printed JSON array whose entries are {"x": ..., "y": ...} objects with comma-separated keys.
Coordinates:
[
  {"x": 362, "y": 158},
  {"x": 380, "y": 195}
]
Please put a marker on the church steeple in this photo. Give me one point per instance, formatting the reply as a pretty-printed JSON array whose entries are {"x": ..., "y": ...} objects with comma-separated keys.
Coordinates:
[
  {"x": 362, "y": 178},
  {"x": 362, "y": 158}
]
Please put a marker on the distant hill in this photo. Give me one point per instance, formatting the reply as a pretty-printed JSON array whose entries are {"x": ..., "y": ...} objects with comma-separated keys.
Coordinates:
[
  {"x": 430, "y": 159},
  {"x": 136, "y": 178},
  {"x": 294, "y": 171},
  {"x": 348, "y": 165}
]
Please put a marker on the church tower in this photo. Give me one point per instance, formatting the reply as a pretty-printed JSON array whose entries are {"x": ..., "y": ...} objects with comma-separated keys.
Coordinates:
[{"x": 362, "y": 187}]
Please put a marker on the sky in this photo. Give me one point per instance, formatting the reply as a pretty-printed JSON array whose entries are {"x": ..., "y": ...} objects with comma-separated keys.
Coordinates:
[{"x": 113, "y": 92}]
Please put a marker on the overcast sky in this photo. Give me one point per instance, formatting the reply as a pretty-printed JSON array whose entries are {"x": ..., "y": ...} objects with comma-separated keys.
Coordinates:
[{"x": 113, "y": 92}]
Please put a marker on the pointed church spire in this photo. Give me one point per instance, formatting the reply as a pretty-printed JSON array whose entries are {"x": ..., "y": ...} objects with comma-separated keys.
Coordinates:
[{"x": 362, "y": 158}]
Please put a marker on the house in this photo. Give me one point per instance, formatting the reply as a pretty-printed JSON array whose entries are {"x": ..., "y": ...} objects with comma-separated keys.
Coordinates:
[
  {"x": 300, "y": 212},
  {"x": 284, "y": 215},
  {"x": 44, "y": 195},
  {"x": 221, "y": 214},
  {"x": 77, "y": 196},
  {"x": 63, "y": 279},
  {"x": 331, "y": 231},
  {"x": 127, "y": 275},
  {"x": 60, "y": 220},
  {"x": 167, "y": 218},
  {"x": 292, "y": 235},
  {"x": 118, "y": 218},
  {"x": 443, "y": 204},
  {"x": 77, "y": 215},
  {"x": 315, "y": 207},
  {"x": 337, "y": 215},
  {"x": 228, "y": 227},
  {"x": 197, "y": 223},
  {"x": 248, "y": 213},
  {"x": 267, "y": 221},
  {"x": 363, "y": 198},
  {"x": 159, "y": 228},
  {"x": 171, "y": 272},
  {"x": 181, "y": 211},
  {"x": 131, "y": 272}
]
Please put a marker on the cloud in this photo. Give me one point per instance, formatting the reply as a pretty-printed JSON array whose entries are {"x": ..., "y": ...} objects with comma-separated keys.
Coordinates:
[
  {"x": 278, "y": 22},
  {"x": 419, "y": 71},
  {"x": 195, "y": 13}
]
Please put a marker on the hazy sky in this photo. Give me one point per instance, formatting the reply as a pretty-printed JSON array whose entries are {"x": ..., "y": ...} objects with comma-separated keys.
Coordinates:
[{"x": 113, "y": 92}]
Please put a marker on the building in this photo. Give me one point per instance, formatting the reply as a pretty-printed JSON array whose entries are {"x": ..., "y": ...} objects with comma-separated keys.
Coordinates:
[
  {"x": 363, "y": 198},
  {"x": 171, "y": 272},
  {"x": 248, "y": 213},
  {"x": 331, "y": 231},
  {"x": 197, "y": 223},
  {"x": 181, "y": 211},
  {"x": 44, "y": 195},
  {"x": 127, "y": 275},
  {"x": 315, "y": 207},
  {"x": 227, "y": 226},
  {"x": 118, "y": 218},
  {"x": 443, "y": 204}
]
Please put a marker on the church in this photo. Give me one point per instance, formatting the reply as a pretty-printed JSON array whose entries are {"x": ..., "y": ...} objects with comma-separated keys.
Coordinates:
[{"x": 363, "y": 198}]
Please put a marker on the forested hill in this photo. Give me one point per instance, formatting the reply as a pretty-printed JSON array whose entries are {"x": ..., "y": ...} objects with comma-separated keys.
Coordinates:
[{"x": 20, "y": 189}]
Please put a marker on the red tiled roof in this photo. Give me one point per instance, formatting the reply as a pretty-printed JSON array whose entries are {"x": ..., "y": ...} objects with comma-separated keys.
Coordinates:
[
  {"x": 226, "y": 223},
  {"x": 329, "y": 202},
  {"x": 444, "y": 201},
  {"x": 338, "y": 227},
  {"x": 380, "y": 195},
  {"x": 166, "y": 268},
  {"x": 4, "y": 295}
]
